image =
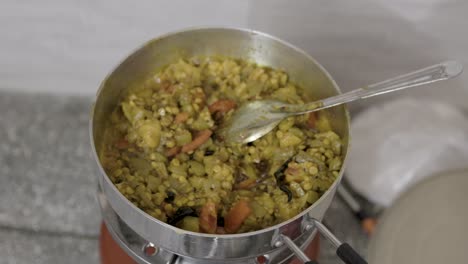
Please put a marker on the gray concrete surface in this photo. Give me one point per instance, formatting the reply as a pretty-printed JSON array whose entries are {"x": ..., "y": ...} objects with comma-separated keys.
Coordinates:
[{"x": 48, "y": 210}]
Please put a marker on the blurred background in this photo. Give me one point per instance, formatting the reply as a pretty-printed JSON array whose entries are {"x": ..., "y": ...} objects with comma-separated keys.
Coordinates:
[
  {"x": 68, "y": 46},
  {"x": 54, "y": 54}
]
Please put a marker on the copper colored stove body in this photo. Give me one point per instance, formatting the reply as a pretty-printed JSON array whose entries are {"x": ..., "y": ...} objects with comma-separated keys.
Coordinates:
[{"x": 133, "y": 229}]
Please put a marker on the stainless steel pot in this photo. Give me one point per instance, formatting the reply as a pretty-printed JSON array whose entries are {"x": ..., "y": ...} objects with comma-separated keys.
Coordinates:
[{"x": 239, "y": 43}]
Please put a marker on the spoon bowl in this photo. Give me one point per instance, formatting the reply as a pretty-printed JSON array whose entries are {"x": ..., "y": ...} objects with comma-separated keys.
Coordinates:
[{"x": 253, "y": 120}]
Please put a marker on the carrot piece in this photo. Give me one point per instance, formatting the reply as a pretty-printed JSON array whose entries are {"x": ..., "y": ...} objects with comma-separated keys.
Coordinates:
[
  {"x": 208, "y": 218},
  {"x": 236, "y": 216},
  {"x": 122, "y": 144},
  {"x": 312, "y": 120},
  {"x": 223, "y": 106},
  {"x": 201, "y": 138},
  {"x": 172, "y": 152},
  {"x": 181, "y": 117},
  {"x": 246, "y": 184}
]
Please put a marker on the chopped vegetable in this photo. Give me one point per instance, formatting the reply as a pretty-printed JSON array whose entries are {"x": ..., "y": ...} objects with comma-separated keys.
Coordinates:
[
  {"x": 222, "y": 106},
  {"x": 236, "y": 216},
  {"x": 247, "y": 184},
  {"x": 181, "y": 117},
  {"x": 139, "y": 164},
  {"x": 132, "y": 112},
  {"x": 279, "y": 174},
  {"x": 183, "y": 137},
  {"x": 208, "y": 218},
  {"x": 312, "y": 120},
  {"x": 280, "y": 179},
  {"x": 150, "y": 133},
  {"x": 122, "y": 144},
  {"x": 201, "y": 138},
  {"x": 173, "y": 151},
  {"x": 190, "y": 223},
  {"x": 285, "y": 189},
  {"x": 322, "y": 123},
  {"x": 180, "y": 214}
]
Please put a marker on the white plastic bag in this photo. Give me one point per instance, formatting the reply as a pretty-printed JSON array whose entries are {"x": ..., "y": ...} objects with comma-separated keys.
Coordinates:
[{"x": 401, "y": 142}]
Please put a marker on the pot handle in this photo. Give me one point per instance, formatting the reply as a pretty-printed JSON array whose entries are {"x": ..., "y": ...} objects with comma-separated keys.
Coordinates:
[
  {"x": 344, "y": 251},
  {"x": 294, "y": 248}
]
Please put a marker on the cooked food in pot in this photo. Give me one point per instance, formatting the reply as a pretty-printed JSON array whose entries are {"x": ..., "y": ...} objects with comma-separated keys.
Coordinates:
[{"x": 163, "y": 153}]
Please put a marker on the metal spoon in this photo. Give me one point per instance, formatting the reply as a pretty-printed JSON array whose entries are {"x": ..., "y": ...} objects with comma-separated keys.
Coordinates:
[{"x": 255, "y": 119}]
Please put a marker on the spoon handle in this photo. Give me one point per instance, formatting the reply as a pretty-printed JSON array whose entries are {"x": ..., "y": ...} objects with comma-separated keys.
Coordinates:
[{"x": 438, "y": 72}]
